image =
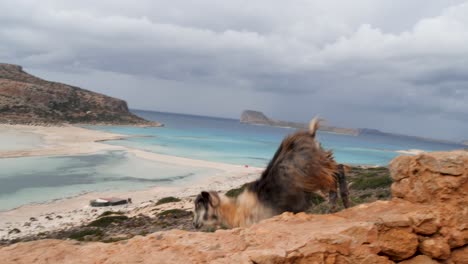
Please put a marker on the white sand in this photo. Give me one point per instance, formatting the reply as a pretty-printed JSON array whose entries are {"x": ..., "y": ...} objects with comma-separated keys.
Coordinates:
[{"x": 70, "y": 140}]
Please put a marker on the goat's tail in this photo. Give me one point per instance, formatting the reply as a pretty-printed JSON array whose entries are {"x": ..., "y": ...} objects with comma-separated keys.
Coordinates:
[{"x": 313, "y": 126}]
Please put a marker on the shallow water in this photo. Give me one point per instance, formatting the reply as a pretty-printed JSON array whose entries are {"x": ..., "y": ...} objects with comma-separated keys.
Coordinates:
[
  {"x": 40, "y": 179},
  {"x": 226, "y": 140}
]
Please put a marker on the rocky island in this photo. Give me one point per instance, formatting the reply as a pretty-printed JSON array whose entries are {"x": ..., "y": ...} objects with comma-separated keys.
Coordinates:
[
  {"x": 26, "y": 99},
  {"x": 259, "y": 118}
]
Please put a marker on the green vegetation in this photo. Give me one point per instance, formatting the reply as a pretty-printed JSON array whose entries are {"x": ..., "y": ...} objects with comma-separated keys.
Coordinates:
[
  {"x": 169, "y": 199},
  {"x": 174, "y": 213},
  {"x": 107, "y": 213},
  {"x": 79, "y": 235},
  {"x": 371, "y": 181},
  {"x": 316, "y": 199},
  {"x": 107, "y": 220},
  {"x": 233, "y": 193}
]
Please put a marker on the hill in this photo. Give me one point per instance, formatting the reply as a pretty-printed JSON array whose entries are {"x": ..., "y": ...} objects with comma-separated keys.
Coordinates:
[{"x": 26, "y": 99}]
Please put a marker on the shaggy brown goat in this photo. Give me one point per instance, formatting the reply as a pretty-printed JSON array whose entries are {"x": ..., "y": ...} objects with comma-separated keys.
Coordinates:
[{"x": 299, "y": 167}]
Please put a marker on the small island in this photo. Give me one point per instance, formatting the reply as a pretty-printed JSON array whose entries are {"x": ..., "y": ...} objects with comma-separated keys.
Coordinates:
[{"x": 259, "y": 118}]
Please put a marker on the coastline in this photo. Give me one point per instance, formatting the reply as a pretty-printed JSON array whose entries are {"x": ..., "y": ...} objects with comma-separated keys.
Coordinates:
[{"x": 72, "y": 140}]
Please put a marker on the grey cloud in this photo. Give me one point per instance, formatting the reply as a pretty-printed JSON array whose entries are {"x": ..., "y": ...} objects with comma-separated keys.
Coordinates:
[{"x": 289, "y": 59}]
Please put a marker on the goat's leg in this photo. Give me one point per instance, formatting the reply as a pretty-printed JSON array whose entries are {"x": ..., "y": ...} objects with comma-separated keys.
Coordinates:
[
  {"x": 343, "y": 186},
  {"x": 332, "y": 196}
]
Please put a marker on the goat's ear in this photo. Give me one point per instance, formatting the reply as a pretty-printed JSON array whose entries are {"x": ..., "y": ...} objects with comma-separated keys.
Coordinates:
[
  {"x": 214, "y": 199},
  {"x": 205, "y": 195}
]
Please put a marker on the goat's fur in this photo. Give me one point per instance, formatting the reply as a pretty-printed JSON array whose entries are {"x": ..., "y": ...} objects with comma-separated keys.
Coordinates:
[{"x": 299, "y": 167}]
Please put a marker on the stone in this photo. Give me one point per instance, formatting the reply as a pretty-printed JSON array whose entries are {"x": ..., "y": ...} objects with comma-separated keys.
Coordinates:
[
  {"x": 420, "y": 259},
  {"x": 435, "y": 248},
  {"x": 460, "y": 256},
  {"x": 398, "y": 243},
  {"x": 424, "y": 223}
]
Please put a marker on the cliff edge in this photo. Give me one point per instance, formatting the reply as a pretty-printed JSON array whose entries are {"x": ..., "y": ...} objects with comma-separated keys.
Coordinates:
[
  {"x": 425, "y": 222},
  {"x": 26, "y": 99}
]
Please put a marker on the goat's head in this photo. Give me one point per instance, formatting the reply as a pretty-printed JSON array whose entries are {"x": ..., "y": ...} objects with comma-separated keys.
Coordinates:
[{"x": 205, "y": 212}]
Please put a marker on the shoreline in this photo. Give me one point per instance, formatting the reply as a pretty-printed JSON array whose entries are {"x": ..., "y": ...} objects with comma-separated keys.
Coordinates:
[{"x": 75, "y": 210}]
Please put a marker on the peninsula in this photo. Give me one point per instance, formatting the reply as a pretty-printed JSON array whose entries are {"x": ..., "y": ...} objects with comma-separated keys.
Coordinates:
[{"x": 26, "y": 99}]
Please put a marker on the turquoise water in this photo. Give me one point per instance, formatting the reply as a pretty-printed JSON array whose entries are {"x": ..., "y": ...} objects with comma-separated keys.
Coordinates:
[
  {"x": 40, "y": 179},
  {"x": 226, "y": 140}
]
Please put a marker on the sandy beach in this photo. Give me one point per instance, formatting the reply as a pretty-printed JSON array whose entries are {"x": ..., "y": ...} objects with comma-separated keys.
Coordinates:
[{"x": 70, "y": 140}]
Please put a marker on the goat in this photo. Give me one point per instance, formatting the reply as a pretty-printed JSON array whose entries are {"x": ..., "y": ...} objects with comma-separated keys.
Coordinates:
[{"x": 299, "y": 167}]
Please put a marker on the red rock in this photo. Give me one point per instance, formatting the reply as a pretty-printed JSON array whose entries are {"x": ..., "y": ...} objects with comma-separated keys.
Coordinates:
[
  {"x": 430, "y": 200},
  {"x": 435, "y": 248},
  {"x": 460, "y": 256},
  {"x": 421, "y": 259},
  {"x": 398, "y": 243}
]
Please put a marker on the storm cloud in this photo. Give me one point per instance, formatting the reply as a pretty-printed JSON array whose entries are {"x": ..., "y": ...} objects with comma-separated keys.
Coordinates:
[{"x": 400, "y": 66}]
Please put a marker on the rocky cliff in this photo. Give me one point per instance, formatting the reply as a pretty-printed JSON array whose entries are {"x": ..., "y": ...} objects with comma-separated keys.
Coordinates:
[
  {"x": 26, "y": 99},
  {"x": 425, "y": 222},
  {"x": 258, "y": 118}
]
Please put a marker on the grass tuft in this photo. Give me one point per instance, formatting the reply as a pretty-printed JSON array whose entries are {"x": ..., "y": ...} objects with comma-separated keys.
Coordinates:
[
  {"x": 233, "y": 193},
  {"x": 174, "y": 213},
  {"x": 107, "y": 213},
  {"x": 169, "y": 199},
  {"x": 372, "y": 182},
  {"x": 107, "y": 220},
  {"x": 79, "y": 235}
]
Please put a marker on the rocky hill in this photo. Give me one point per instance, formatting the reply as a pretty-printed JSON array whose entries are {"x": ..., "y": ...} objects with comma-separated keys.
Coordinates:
[
  {"x": 258, "y": 118},
  {"x": 425, "y": 222},
  {"x": 26, "y": 99}
]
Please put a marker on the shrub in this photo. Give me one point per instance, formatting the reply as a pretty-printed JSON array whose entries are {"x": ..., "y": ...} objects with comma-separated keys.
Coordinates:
[
  {"x": 106, "y": 221},
  {"x": 365, "y": 183},
  {"x": 79, "y": 235},
  {"x": 174, "y": 213},
  {"x": 233, "y": 193},
  {"x": 107, "y": 213},
  {"x": 169, "y": 199}
]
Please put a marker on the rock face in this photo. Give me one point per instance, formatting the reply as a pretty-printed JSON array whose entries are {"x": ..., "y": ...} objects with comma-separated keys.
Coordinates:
[
  {"x": 27, "y": 99},
  {"x": 425, "y": 222},
  {"x": 258, "y": 118}
]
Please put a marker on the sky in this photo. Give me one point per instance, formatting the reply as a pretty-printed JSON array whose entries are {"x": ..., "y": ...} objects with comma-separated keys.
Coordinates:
[{"x": 395, "y": 65}]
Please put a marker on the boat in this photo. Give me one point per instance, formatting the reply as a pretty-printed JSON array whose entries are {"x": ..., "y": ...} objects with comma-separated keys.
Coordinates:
[{"x": 101, "y": 202}]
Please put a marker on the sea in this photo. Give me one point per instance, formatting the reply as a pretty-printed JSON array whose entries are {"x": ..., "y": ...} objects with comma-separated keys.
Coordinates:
[{"x": 41, "y": 179}]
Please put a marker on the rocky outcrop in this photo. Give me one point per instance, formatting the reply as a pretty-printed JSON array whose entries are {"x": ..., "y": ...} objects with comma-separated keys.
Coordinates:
[
  {"x": 425, "y": 222},
  {"x": 259, "y": 118},
  {"x": 26, "y": 99}
]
